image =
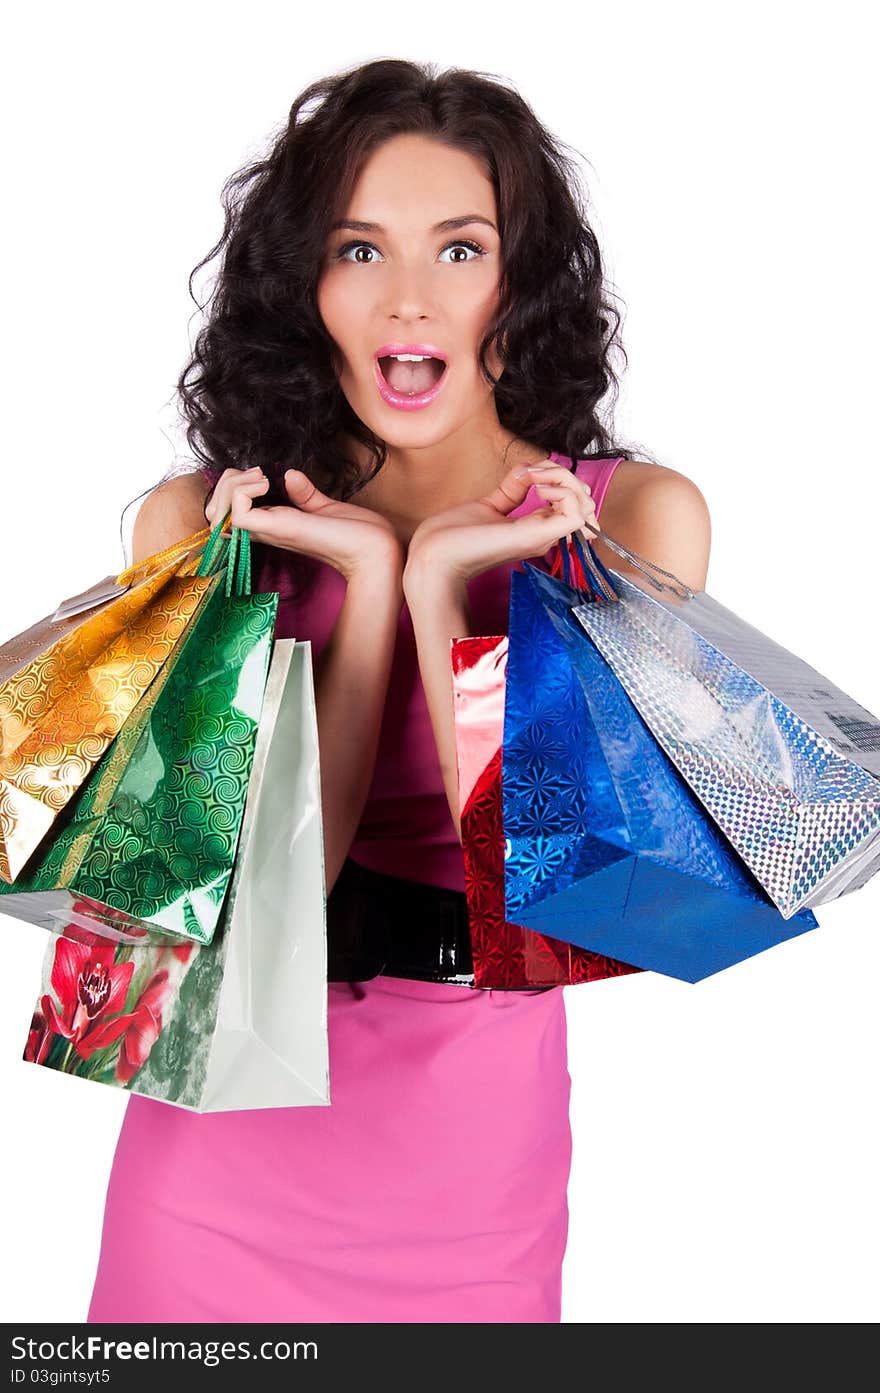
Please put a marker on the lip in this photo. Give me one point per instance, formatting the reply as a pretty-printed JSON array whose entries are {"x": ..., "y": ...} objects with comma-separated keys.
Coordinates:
[{"x": 401, "y": 401}]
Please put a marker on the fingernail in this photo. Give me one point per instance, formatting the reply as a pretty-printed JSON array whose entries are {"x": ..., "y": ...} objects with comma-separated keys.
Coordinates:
[{"x": 537, "y": 467}]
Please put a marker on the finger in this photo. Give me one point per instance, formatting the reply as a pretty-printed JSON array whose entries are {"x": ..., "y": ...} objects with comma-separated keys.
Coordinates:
[
  {"x": 229, "y": 479},
  {"x": 582, "y": 508},
  {"x": 554, "y": 471},
  {"x": 234, "y": 473},
  {"x": 511, "y": 492},
  {"x": 516, "y": 484},
  {"x": 540, "y": 529},
  {"x": 560, "y": 491},
  {"x": 265, "y": 524},
  {"x": 240, "y": 505},
  {"x": 303, "y": 492},
  {"x": 219, "y": 507},
  {"x": 558, "y": 474},
  {"x": 221, "y": 499}
]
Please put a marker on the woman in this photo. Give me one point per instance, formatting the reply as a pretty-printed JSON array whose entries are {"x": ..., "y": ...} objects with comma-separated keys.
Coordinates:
[{"x": 405, "y": 353}]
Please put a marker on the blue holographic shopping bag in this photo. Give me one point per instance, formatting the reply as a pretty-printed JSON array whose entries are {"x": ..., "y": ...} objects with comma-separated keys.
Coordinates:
[{"x": 606, "y": 845}]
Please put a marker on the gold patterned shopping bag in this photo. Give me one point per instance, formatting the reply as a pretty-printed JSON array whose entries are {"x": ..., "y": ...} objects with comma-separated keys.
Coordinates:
[
  {"x": 61, "y": 708},
  {"x": 146, "y": 848},
  {"x": 71, "y": 613}
]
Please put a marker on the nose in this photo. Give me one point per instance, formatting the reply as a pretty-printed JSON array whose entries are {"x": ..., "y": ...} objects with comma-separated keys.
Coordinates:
[{"x": 409, "y": 294}]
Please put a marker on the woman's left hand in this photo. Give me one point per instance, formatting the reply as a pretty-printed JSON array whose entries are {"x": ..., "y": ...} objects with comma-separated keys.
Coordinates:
[
  {"x": 451, "y": 547},
  {"x": 461, "y": 542}
]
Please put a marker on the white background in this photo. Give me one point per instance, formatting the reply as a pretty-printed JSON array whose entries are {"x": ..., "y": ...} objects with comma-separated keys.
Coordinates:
[{"x": 726, "y": 1156}]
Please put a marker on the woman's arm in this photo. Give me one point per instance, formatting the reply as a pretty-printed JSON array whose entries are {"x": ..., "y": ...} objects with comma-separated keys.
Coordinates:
[
  {"x": 439, "y": 609},
  {"x": 667, "y": 522},
  {"x": 662, "y": 516},
  {"x": 351, "y": 683},
  {"x": 353, "y": 669}
]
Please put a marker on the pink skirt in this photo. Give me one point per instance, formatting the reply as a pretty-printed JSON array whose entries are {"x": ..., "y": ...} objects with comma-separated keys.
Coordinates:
[{"x": 433, "y": 1188}]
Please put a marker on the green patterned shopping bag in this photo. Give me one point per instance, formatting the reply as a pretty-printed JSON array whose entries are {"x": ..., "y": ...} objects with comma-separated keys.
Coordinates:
[
  {"x": 146, "y": 847},
  {"x": 240, "y": 1022}
]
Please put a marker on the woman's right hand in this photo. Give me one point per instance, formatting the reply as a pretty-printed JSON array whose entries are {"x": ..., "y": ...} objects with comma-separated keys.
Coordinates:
[{"x": 342, "y": 535}]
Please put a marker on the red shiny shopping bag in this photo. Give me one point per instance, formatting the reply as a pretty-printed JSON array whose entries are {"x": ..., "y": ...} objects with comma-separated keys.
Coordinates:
[{"x": 505, "y": 955}]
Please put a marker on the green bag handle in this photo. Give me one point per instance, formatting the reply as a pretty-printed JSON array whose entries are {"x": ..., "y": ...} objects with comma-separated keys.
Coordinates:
[{"x": 234, "y": 552}]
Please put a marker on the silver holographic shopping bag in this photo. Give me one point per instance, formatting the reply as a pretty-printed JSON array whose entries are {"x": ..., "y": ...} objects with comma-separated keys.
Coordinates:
[{"x": 786, "y": 764}]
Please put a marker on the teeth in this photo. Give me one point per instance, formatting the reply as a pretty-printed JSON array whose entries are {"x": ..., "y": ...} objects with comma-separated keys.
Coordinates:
[{"x": 410, "y": 357}]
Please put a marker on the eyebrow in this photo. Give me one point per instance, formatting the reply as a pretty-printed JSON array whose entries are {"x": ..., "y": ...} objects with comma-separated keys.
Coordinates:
[{"x": 447, "y": 225}]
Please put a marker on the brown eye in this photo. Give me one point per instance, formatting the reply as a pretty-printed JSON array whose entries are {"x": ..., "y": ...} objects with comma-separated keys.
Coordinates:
[
  {"x": 342, "y": 254},
  {"x": 466, "y": 246}
]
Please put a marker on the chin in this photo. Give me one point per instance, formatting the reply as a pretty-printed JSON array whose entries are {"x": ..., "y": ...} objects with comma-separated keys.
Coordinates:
[
  {"x": 414, "y": 435},
  {"x": 411, "y": 430}
]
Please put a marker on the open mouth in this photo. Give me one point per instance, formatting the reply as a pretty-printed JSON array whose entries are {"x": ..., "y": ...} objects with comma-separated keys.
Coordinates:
[{"x": 411, "y": 379}]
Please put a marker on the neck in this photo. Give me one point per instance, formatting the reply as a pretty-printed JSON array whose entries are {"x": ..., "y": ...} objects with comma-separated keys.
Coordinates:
[{"x": 415, "y": 483}]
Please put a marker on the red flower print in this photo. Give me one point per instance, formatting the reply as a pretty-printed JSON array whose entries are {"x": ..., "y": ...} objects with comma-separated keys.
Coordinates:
[
  {"x": 90, "y": 988},
  {"x": 181, "y": 951},
  {"x": 144, "y": 1026},
  {"x": 38, "y": 1040}
]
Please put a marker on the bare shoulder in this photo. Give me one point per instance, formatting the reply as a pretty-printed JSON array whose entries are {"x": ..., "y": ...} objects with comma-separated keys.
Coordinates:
[
  {"x": 175, "y": 509},
  {"x": 662, "y": 515}
]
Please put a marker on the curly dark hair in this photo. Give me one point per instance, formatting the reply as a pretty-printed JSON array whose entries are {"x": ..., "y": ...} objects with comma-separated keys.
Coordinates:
[{"x": 261, "y": 388}]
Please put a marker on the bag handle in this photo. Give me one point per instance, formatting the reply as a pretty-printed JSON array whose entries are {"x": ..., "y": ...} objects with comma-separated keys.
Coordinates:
[
  {"x": 583, "y": 570},
  {"x": 192, "y": 549},
  {"x": 234, "y": 551},
  {"x": 210, "y": 544},
  {"x": 594, "y": 575},
  {"x": 158, "y": 560},
  {"x": 640, "y": 563}
]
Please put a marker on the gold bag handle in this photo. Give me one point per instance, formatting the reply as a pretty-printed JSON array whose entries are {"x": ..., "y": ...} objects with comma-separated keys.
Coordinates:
[
  {"x": 111, "y": 587},
  {"x": 159, "y": 559}
]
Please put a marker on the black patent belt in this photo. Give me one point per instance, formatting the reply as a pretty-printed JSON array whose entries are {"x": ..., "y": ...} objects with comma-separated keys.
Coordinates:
[{"x": 380, "y": 924}]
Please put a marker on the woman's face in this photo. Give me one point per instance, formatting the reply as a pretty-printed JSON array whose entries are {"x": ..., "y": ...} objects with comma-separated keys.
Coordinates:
[{"x": 406, "y": 284}]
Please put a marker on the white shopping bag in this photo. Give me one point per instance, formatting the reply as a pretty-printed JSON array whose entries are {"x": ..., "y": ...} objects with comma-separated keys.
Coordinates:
[{"x": 240, "y": 1022}]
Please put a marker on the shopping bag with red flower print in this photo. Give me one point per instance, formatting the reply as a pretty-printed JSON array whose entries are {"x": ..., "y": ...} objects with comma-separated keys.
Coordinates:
[
  {"x": 505, "y": 956},
  {"x": 147, "y": 844},
  {"x": 240, "y": 1022},
  {"x": 69, "y": 683}
]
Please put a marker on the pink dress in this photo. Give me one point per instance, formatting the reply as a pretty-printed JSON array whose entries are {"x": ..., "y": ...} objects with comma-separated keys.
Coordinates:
[{"x": 433, "y": 1188}]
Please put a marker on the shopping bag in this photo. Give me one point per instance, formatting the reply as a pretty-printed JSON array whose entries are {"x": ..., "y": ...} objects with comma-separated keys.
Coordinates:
[
  {"x": 240, "y": 1022},
  {"x": 70, "y": 684},
  {"x": 146, "y": 847},
  {"x": 607, "y": 846},
  {"x": 784, "y": 761},
  {"x": 71, "y": 613},
  {"x": 505, "y": 956}
]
